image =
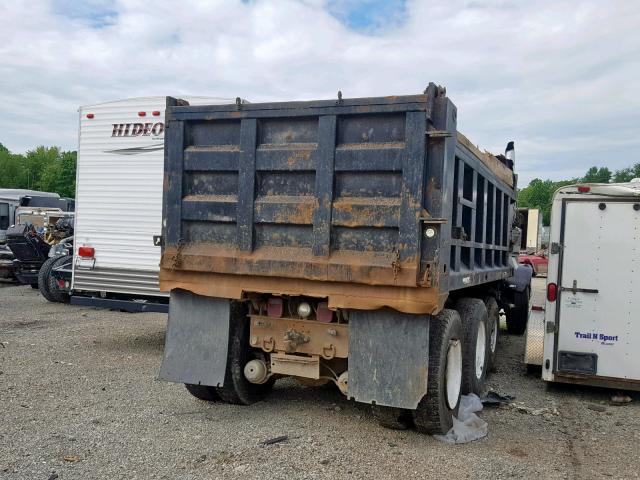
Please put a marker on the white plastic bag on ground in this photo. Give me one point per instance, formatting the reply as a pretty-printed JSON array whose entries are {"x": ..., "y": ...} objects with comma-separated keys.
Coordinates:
[{"x": 468, "y": 426}]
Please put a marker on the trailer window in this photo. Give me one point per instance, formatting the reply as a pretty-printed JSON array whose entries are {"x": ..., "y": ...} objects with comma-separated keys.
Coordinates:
[{"x": 4, "y": 216}]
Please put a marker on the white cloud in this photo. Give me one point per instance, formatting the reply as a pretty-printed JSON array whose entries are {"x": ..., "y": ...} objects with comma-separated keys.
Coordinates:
[{"x": 560, "y": 78}]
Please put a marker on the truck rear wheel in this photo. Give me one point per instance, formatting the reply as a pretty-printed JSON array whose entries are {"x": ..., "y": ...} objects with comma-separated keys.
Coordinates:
[
  {"x": 493, "y": 330},
  {"x": 203, "y": 392},
  {"x": 237, "y": 389},
  {"x": 475, "y": 345},
  {"x": 437, "y": 408},
  {"x": 391, "y": 417},
  {"x": 517, "y": 316}
]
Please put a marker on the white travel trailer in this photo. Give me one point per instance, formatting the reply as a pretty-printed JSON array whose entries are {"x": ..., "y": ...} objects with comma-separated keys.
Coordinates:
[
  {"x": 588, "y": 330},
  {"x": 119, "y": 203}
]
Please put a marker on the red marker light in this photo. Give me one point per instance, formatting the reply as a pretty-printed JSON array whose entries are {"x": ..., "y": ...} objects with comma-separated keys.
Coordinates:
[
  {"x": 89, "y": 115},
  {"x": 142, "y": 114},
  {"x": 156, "y": 113},
  {"x": 86, "y": 252},
  {"x": 584, "y": 189},
  {"x": 552, "y": 292}
]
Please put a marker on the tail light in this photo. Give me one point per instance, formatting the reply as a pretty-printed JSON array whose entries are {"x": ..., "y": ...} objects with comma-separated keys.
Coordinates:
[
  {"x": 275, "y": 307},
  {"x": 323, "y": 314},
  {"x": 89, "y": 115},
  {"x": 86, "y": 252},
  {"x": 142, "y": 114},
  {"x": 552, "y": 292},
  {"x": 156, "y": 113},
  {"x": 584, "y": 189}
]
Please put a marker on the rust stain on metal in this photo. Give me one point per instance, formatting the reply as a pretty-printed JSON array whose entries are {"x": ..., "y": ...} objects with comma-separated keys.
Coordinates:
[{"x": 339, "y": 294}]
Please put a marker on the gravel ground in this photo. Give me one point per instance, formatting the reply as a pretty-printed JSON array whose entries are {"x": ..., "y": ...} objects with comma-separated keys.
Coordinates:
[{"x": 79, "y": 399}]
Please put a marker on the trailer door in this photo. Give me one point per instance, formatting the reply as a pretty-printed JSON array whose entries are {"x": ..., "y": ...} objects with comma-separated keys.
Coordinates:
[{"x": 598, "y": 303}]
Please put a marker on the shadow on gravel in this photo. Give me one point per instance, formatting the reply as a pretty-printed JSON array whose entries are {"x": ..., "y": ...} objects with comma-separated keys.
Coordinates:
[{"x": 127, "y": 342}]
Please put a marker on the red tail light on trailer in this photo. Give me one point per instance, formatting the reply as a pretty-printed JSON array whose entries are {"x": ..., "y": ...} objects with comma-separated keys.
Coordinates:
[
  {"x": 86, "y": 252},
  {"x": 142, "y": 114},
  {"x": 584, "y": 189},
  {"x": 552, "y": 292},
  {"x": 156, "y": 113},
  {"x": 89, "y": 115}
]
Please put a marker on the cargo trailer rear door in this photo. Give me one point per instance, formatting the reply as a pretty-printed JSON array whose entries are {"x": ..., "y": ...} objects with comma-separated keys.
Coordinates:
[{"x": 598, "y": 332}]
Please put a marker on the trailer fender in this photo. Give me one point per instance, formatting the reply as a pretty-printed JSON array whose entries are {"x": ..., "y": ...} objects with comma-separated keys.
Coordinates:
[
  {"x": 388, "y": 357},
  {"x": 196, "y": 343},
  {"x": 521, "y": 278}
]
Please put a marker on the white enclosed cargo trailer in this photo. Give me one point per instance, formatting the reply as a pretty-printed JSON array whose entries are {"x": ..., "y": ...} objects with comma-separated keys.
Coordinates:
[
  {"x": 588, "y": 330},
  {"x": 119, "y": 199}
]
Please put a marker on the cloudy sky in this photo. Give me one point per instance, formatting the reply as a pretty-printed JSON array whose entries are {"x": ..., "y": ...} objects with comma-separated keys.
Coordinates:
[{"x": 561, "y": 78}]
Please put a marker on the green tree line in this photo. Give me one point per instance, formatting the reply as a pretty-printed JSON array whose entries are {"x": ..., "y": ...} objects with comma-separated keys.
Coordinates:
[
  {"x": 47, "y": 169},
  {"x": 539, "y": 193}
]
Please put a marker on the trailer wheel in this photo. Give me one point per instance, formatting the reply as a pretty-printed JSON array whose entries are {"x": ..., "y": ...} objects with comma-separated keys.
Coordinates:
[
  {"x": 55, "y": 291},
  {"x": 391, "y": 417},
  {"x": 237, "y": 389},
  {"x": 43, "y": 275},
  {"x": 203, "y": 392},
  {"x": 475, "y": 345},
  {"x": 493, "y": 331},
  {"x": 437, "y": 408},
  {"x": 517, "y": 316}
]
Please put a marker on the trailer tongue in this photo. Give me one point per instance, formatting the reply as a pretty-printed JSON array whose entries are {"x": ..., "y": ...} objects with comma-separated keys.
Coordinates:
[{"x": 358, "y": 241}]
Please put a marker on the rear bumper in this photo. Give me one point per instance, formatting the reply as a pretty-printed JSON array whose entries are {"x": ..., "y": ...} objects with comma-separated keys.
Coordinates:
[
  {"x": 598, "y": 381},
  {"x": 340, "y": 295}
]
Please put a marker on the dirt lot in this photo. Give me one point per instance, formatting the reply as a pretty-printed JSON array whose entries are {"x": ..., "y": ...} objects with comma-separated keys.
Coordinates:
[{"x": 79, "y": 398}]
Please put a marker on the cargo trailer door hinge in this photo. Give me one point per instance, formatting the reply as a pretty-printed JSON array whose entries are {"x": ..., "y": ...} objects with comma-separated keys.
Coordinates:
[{"x": 555, "y": 247}]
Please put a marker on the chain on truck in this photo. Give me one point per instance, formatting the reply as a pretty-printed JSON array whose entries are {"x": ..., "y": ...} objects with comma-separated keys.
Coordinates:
[{"x": 363, "y": 242}]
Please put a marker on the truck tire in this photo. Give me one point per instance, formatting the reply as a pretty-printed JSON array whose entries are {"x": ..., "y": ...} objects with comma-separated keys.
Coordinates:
[
  {"x": 203, "y": 392},
  {"x": 391, "y": 417},
  {"x": 517, "y": 316},
  {"x": 237, "y": 389},
  {"x": 493, "y": 331},
  {"x": 55, "y": 291},
  {"x": 475, "y": 344},
  {"x": 43, "y": 275},
  {"x": 437, "y": 408}
]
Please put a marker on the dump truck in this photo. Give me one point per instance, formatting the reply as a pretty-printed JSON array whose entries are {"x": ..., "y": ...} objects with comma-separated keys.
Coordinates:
[
  {"x": 363, "y": 242},
  {"x": 586, "y": 331}
]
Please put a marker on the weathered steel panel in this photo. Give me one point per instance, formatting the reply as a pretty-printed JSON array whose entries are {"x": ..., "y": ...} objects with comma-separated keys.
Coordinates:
[{"x": 338, "y": 191}]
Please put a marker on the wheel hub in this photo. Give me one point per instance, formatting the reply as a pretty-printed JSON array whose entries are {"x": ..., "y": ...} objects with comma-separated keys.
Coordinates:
[
  {"x": 481, "y": 342},
  {"x": 453, "y": 373}
]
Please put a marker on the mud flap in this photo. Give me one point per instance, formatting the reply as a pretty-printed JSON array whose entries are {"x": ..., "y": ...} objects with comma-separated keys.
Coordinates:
[
  {"x": 195, "y": 348},
  {"x": 388, "y": 357}
]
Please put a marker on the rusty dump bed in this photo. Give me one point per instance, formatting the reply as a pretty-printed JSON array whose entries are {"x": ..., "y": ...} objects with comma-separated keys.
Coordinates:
[{"x": 370, "y": 202}]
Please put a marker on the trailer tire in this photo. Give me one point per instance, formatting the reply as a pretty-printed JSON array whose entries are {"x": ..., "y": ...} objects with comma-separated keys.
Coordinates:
[
  {"x": 43, "y": 275},
  {"x": 517, "y": 316},
  {"x": 493, "y": 331},
  {"x": 237, "y": 389},
  {"x": 54, "y": 289},
  {"x": 392, "y": 417},
  {"x": 203, "y": 392},
  {"x": 437, "y": 408}
]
